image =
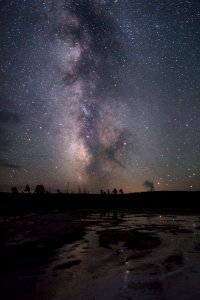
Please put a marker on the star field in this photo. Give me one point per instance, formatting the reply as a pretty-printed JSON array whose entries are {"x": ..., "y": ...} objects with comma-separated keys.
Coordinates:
[{"x": 100, "y": 94}]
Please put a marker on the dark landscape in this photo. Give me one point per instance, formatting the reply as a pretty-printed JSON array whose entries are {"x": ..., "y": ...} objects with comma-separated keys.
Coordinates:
[
  {"x": 62, "y": 246},
  {"x": 33, "y": 202}
]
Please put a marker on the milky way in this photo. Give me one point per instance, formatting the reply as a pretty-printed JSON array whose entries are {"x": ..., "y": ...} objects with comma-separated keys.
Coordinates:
[{"x": 100, "y": 94}]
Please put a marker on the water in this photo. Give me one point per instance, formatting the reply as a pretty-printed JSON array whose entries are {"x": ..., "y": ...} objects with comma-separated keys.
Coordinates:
[{"x": 101, "y": 255}]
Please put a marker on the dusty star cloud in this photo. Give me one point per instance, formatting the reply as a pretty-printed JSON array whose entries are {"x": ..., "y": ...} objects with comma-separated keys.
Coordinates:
[{"x": 100, "y": 94}]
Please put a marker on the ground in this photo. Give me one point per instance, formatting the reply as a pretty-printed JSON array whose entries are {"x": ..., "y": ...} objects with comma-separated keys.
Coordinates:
[{"x": 100, "y": 254}]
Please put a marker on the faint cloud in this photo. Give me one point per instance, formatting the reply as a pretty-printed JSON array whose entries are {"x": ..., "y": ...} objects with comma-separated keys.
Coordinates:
[
  {"x": 7, "y": 119},
  {"x": 5, "y": 143},
  {"x": 6, "y": 164},
  {"x": 7, "y": 116}
]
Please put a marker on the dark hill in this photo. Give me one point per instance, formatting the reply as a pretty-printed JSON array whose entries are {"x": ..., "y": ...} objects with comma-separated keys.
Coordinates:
[{"x": 11, "y": 204}]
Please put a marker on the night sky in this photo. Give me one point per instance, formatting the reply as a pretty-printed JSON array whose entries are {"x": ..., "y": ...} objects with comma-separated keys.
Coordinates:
[{"x": 100, "y": 94}]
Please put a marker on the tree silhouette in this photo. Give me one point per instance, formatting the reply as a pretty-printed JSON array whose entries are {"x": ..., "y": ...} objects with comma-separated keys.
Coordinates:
[
  {"x": 27, "y": 189},
  {"x": 14, "y": 190},
  {"x": 121, "y": 191},
  {"x": 40, "y": 189},
  {"x": 115, "y": 191}
]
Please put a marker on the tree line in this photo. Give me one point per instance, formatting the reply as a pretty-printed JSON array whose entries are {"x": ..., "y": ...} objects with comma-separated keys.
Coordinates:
[{"x": 40, "y": 189}]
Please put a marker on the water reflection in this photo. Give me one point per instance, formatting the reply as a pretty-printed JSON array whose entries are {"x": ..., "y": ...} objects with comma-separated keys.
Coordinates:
[{"x": 76, "y": 255}]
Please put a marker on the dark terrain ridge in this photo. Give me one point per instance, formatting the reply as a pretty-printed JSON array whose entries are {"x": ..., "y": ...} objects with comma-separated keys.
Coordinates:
[{"x": 11, "y": 204}]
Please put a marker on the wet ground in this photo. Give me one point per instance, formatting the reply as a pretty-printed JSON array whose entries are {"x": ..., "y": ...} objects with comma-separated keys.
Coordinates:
[{"x": 100, "y": 255}]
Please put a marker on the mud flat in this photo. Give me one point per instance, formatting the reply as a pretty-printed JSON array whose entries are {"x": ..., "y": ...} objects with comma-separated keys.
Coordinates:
[{"x": 100, "y": 254}]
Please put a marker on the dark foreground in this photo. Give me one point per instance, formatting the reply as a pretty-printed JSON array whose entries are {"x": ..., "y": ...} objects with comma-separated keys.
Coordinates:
[
  {"x": 100, "y": 254},
  {"x": 13, "y": 204}
]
